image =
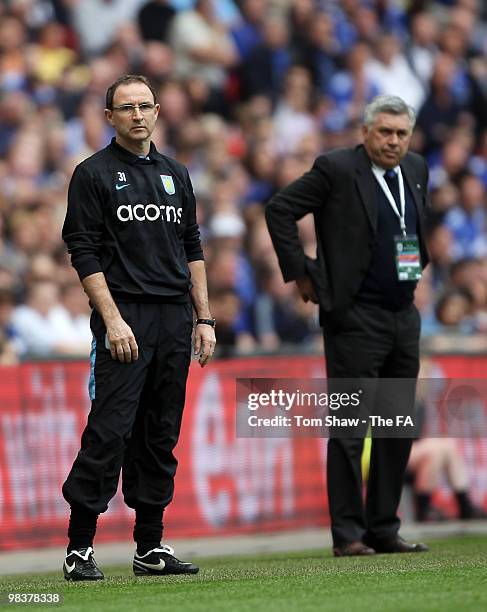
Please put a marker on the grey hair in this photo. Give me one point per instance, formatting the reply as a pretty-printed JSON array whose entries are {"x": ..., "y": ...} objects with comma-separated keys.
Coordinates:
[{"x": 392, "y": 105}]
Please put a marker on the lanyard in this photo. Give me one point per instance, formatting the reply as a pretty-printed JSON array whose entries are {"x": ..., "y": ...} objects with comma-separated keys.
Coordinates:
[{"x": 379, "y": 175}]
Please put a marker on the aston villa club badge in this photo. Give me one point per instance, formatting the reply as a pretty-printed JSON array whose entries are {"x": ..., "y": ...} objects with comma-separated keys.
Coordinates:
[{"x": 168, "y": 184}]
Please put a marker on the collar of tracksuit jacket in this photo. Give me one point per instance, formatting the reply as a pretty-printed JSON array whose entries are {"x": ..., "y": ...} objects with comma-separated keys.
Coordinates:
[{"x": 133, "y": 159}]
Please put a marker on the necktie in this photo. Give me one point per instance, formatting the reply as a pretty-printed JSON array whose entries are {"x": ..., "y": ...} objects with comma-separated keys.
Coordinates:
[{"x": 393, "y": 183}]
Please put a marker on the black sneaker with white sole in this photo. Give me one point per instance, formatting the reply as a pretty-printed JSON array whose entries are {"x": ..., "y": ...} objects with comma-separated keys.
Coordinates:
[
  {"x": 160, "y": 562},
  {"x": 80, "y": 565}
]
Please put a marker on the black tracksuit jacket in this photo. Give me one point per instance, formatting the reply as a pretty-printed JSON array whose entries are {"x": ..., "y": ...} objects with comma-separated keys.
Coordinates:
[{"x": 134, "y": 219}]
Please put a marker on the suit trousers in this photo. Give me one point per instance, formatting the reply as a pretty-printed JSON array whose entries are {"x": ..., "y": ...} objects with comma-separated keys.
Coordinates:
[
  {"x": 136, "y": 411},
  {"x": 369, "y": 342}
]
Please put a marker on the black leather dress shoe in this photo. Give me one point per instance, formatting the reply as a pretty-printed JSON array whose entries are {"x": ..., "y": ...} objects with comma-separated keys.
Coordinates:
[
  {"x": 397, "y": 544},
  {"x": 352, "y": 549}
]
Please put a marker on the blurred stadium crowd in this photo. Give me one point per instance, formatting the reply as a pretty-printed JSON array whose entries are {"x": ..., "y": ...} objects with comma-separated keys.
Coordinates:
[{"x": 251, "y": 92}]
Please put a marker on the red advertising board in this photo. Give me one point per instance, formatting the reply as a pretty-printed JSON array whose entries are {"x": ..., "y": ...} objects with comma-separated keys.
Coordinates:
[{"x": 224, "y": 484}]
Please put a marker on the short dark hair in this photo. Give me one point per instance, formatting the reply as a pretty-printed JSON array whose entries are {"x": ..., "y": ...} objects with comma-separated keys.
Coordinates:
[{"x": 127, "y": 79}]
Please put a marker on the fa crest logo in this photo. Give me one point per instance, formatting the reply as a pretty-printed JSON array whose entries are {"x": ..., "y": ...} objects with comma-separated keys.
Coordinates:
[{"x": 168, "y": 184}]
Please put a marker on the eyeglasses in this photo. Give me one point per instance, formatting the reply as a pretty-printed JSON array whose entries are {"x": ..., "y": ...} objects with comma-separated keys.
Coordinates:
[{"x": 129, "y": 109}]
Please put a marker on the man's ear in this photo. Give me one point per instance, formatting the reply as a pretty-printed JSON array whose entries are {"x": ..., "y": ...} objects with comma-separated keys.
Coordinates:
[
  {"x": 109, "y": 116},
  {"x": 365, "y": 130}
]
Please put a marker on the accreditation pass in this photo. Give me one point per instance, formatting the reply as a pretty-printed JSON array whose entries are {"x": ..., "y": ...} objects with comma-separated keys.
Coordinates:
[{"x": 408, "y": 257}]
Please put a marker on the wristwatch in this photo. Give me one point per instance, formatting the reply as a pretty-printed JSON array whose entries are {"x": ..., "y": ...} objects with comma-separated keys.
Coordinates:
[{"x": 210, "y": 322}]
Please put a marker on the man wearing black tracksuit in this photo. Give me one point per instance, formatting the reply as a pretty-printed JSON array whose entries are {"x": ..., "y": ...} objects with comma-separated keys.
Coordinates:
[{"x": 132, "y": 234}]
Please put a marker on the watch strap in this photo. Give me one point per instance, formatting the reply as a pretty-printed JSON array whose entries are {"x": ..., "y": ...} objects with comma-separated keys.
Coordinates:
[{"x": 210, "y": 322}]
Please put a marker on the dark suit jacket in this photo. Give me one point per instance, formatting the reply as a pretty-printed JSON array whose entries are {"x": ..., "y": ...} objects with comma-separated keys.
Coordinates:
[{"x": 340, "y": 191}]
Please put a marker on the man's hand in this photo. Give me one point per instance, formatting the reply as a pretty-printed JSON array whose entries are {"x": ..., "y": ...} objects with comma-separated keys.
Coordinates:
[
  {"x": 306, "y": 289},
  {"x": 123, "y": 346},
  {"x": 204, "y": 343},
  {"x": 120, "y": 338}
]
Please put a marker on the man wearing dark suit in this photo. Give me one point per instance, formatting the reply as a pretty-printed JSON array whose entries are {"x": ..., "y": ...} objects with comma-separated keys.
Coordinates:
[{"x": 365, "y": 202}]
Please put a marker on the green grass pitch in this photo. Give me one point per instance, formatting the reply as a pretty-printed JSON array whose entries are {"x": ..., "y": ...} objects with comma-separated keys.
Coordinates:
[{"x": 451, "y": 577}]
